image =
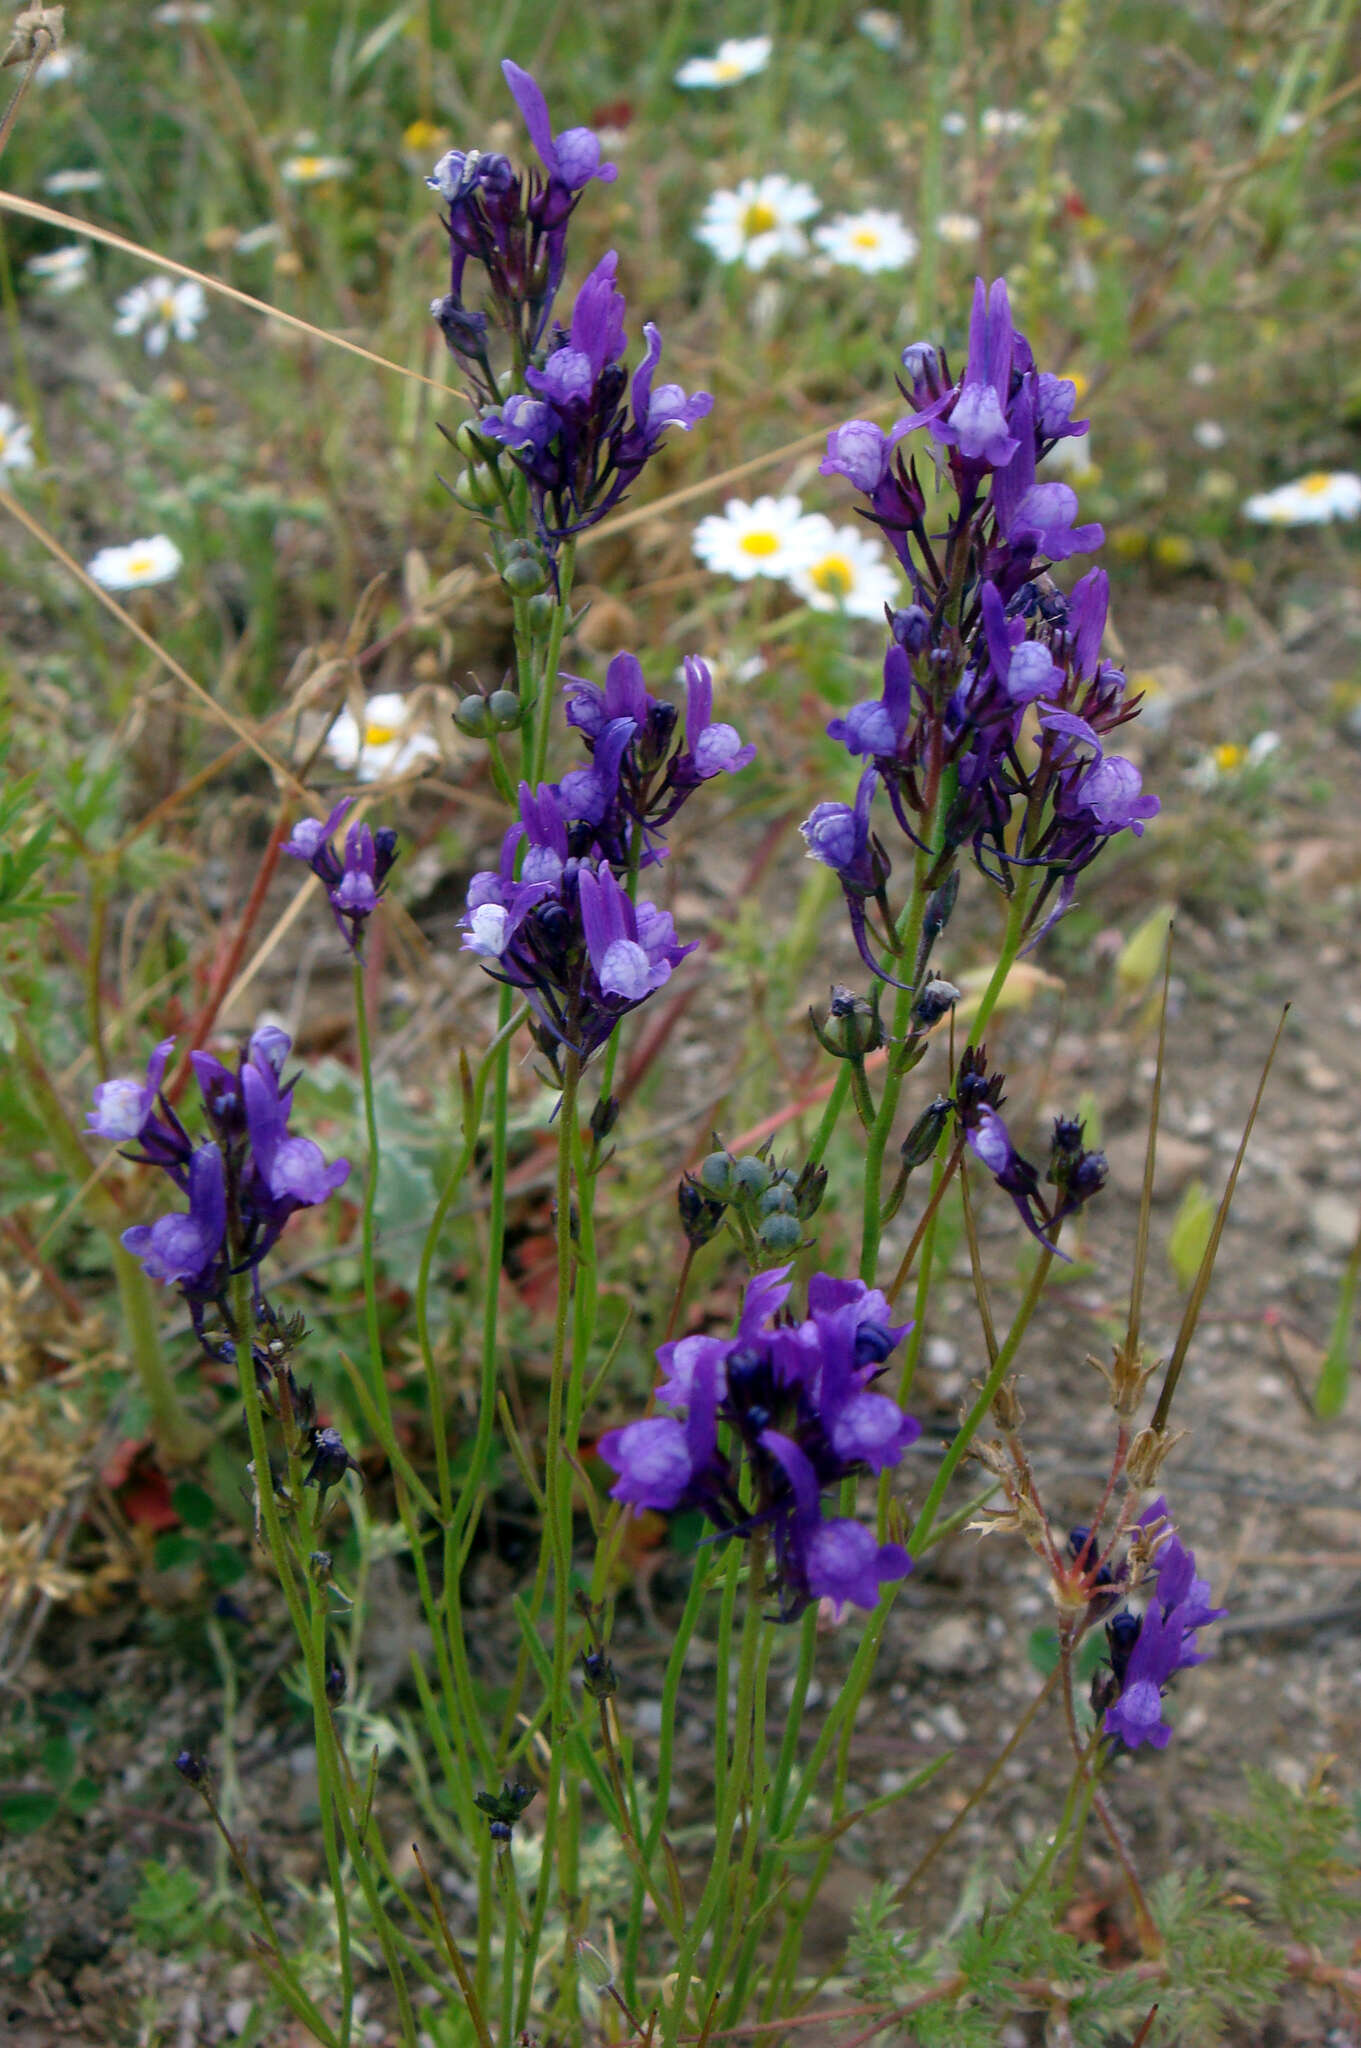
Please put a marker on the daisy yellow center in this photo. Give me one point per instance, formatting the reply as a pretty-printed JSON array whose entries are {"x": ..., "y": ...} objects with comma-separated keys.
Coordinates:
[
  {"x": 865, "y": 238},
  {"x": 833, "y": 574},
  {"x": 1227, "y": 757},
  {"x": 759, "y": 218},
  {"x": 421, "y": 135},
  {"x": 307, "y": 167},
  {"x": 725, "y": 69},
  {"x": 759, "y": 543},
  {"x": 4, "y": 440},
  {"x": 141, "y": 564},
  {"x": 1315, "y": 485},
  {"x": 379, "y": 735}
]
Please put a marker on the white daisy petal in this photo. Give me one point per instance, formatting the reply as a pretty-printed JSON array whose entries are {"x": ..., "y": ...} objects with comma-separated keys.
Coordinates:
[
  {"x": 771, "y": 537},
  {"x": 388, "y": 745},
  {"x": 16, "y": 441},
  {"x": 868, "y": 241},
  {"x": 759, "y": 221},
  {"x": 1309, "y": 501},
  {"x": 846, "y": 570},
  {"x": 140, "y": 563},
  {"x": 737, "y": 58}
]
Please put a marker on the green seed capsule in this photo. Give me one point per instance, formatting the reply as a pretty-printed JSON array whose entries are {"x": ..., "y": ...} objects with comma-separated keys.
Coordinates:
[
  {"x": 472, "y": 717},
  {"x": 715, "y": 1173},
  {"x": 505, "y": 710},
  {"x": 751, "y": 1176},
  {"x": 780, "y": 1233},
  {"x": 524, "y": 576}
]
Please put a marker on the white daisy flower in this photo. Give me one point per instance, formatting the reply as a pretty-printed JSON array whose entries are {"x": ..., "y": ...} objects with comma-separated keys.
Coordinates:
[
  {"x": 998, "y": 123},
  {"x": 768, "y": 538},
  {"x": 387, "y": 744},
  {"x": 958, "y": 228},
  {"x": 1310, "y": 501},
  {"x": 844, "y": 570},
  {"x": 306, "y": 169},
  {"x": 63, "y": 269},
  {"x": 61, "y": 183},
  {"x": 737, "y": 58},
  {"x": 138, "y": 564},
  {"x": 1222, "y": 763},
  {"x": 160, "y": 307},
  {"x": 1208, "y": 434},
  {"x": 759, "y": 221},
  {"x": 16, "y": 441},
  {"x": 1201, "y": 375},
  {"x": 868, "y": 241},
  {"x": 1290, "y": 124},
  {"x": 1152, "y": 163},
  {"x": 953, "y": 122},
  {"x": 881, "y": 28}
]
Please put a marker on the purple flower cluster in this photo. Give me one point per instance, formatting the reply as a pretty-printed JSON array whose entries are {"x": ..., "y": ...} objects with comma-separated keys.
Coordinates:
[
  {"x": 552, "y": 918},
  {"x": 996, "y": 704},
  {"x": 1074, "y": 1172},
  {"x": 759, "y": 1426},
  {"x": 242, "y": 1182},
  {"x": 574, "y": 425},
  {"x": 1148, "y": 1649},
  {"x": 354, "y": 885}
]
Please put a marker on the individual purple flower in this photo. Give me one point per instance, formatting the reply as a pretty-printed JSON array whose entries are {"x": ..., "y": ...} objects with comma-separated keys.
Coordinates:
[
  {"x": 123, "y": 1107},
  {"x": 632, "y": 950},
  {"x": 188, "y": 1248},
  {"x": 573, "y": 156},
  {"x": 711, "y": 747},
  {"x": 641, "y": 773},
  {"x": 1037, "y": 518},
  {"x": 597, "y": 433},
  {"x": 1145, "y": 1657},
  {"x": 976, "y": 423},
  {"x": 799, "y": 1416},
  {"x": 293, "y": 1169},
  {"x": 353, "y": 886}
]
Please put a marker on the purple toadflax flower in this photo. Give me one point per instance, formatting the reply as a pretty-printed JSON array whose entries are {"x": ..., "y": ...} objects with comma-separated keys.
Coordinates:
[
  {"x": 353, "y": 886},
  {"x": 996, "y": 705},
  {"x": 565, "y": 932},
  {"x": 514, "y": 226},
  {"x": 587, "y": 433},
  {"x": 642, "y": 771},
  {"x": 799, "y": 1415},
  {"x": 1075, "y": 1173},
  {"x": 243, "y": 1183},
  {"x": 1146, "y": 1651}
]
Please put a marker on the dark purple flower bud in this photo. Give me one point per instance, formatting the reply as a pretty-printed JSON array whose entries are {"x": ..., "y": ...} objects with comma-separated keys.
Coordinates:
[
  {"x": 701, "y": 1215},
  {"x": 599, "y": 1675},
  {"x": 936, "y": 1000},
  {"x": 330, "y": 1460},
  {"x": 336, "y": 1683},
  {"x": 911, "y": 628},
  {"x": 191, "y": 1767}
]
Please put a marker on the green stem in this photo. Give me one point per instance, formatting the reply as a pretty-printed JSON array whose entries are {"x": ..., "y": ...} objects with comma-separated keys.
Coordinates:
[
  {"x": 558, "y": 1475},
  {"x": 753, "y": 1663},
  {"x": 372, "y": 1165},
  {"x": 1331, "y": 1393}
]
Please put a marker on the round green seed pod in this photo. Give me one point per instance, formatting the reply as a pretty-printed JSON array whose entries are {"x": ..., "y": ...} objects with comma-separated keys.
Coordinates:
[
  {"x": 505, "y": 710},
  {"x": 751, "y": 1175},
  {"x": 472, "y": 717},
  {"x": 715, "y": 1174},
  {"x": 780, "y": 1233}
]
